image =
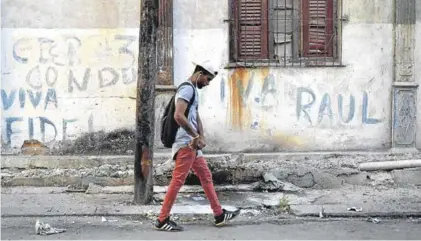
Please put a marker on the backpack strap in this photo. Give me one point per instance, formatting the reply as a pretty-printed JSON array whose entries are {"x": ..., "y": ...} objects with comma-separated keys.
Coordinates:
[{"x": 193, "y": 97}]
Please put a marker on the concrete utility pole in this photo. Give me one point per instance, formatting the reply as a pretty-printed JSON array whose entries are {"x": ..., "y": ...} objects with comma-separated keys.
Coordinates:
[{"x": 145, "y": 102}]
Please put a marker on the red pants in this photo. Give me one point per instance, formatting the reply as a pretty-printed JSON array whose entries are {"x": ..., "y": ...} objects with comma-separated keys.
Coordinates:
[{"x": 186, "y": 159}]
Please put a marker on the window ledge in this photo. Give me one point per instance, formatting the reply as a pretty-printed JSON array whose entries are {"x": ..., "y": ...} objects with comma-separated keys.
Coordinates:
[
  {"x": 295, "y": 64},
  {"x": 165, "y": 87}
]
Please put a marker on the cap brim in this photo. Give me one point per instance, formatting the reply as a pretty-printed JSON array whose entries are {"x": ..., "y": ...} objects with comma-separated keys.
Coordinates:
[{"x": 213, "y": 73}]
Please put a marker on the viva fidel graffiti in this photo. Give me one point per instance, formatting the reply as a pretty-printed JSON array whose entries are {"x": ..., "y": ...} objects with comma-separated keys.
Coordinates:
[
  {"x": 45, "y": 80},
  {"x": 30, "y": 99}
]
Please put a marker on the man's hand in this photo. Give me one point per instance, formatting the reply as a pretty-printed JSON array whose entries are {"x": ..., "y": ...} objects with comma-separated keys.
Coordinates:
[
  {"x": 197, "y": 143},
  {"x": 201, "y": 143},
  {"x": 194, "y": 143}
]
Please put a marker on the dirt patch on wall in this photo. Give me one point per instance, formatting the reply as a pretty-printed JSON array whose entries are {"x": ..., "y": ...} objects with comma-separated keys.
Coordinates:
[{"x": 118, "y": 142}]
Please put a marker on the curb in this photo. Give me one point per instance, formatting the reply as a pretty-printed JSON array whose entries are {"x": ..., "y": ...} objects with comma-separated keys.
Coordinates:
[
  {"x": 127, "y": 189},
  {"x": 63, "y": 162},
  {"x": 88, "y": 161},
  {"x": 204, "y": 211},
  {"x": 337, "y": 211},
  {"x": 129, "y": 211}
]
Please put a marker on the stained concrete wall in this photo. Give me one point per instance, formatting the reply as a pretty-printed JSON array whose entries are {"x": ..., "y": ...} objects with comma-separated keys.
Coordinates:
[
  {"x": 67, "y": 80},
  {"x": 264, "y": 109},
  {"x": 69, "y": 73}
]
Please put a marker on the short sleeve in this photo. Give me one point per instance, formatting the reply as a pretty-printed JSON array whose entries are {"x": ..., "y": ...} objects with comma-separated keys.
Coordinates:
[{"x": 185, "y": 92}]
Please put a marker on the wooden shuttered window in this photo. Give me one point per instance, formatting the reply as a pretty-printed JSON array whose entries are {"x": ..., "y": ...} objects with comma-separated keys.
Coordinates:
[
  {"x": 165, "y": 42},
  {"x": 251, "y": 29},
  {"x": 318, "y": 35}
]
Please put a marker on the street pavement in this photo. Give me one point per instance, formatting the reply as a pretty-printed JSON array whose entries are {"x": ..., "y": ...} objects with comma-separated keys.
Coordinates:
[
  {"x": 112, "y": 216},
  {"x": 131, "y": 228}
]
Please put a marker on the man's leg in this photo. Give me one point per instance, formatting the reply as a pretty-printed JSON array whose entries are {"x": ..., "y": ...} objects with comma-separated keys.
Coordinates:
[
  {"x": 183, "y": 163},
  {"x": 201, "y": 169}
]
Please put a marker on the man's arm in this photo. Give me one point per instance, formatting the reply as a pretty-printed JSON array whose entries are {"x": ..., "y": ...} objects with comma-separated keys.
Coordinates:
[
  {"x": 180, "y": 118},
  {"x": 202, "y": 143},
  {"x": 200, "y": 126}
]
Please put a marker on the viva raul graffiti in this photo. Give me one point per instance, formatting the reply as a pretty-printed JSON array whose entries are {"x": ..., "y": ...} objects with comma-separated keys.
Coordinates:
[
  {"x": 54, "y": 82},
  {"x": 258, "y": 92}
]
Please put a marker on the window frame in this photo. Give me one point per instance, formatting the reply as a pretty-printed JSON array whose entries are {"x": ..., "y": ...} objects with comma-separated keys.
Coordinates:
[
  {"x": 264, "y": 31},
  {"x": 297, "y": 59}
]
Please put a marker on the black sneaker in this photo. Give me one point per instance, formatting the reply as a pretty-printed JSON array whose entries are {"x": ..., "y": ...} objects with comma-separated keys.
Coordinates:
[
  {"x": 167, "y": 225},
  {"x": 222, "y": 219}
]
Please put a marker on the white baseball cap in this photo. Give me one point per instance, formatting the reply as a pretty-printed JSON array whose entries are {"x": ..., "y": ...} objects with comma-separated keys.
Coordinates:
[{"x": 208, "y": 66}]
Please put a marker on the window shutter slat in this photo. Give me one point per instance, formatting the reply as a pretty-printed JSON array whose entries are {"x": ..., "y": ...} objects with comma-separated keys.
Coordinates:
[
  {"x": 318, "y": 28},
  {"x": 252, "y": 27}
]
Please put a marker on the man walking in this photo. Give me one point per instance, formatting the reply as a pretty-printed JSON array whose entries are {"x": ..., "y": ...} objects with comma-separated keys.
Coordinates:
[{"x": 187, "y": 150}]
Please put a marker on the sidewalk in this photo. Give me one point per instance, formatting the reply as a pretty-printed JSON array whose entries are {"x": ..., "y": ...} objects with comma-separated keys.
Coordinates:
[{"x": 116, "y": 201}]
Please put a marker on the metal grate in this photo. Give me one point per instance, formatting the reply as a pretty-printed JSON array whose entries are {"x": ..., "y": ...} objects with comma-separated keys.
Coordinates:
[{"x": 285, "y": 33}]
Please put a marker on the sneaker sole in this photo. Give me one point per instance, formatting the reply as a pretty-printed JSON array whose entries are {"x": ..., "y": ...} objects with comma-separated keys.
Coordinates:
[
  {"x": 164, "y": 230},
  {"x": 223, "y": 223}
]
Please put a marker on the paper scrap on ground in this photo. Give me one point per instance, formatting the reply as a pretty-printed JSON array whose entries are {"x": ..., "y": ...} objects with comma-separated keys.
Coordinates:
[
  {"x": 354, "y": 209},
  {"x": 46, "y": 229}
]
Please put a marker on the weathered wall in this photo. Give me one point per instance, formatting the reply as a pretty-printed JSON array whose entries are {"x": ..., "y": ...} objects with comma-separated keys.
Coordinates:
[
  {"x": 305, "y": 109},
  {"x": 69, "y": 73},
  {"x": 67, "y": 76},
  {"x": 73, "y": 14}
]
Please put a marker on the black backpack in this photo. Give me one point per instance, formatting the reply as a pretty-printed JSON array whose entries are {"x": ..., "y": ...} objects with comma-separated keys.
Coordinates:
[{"x": 169, "y": 126}]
